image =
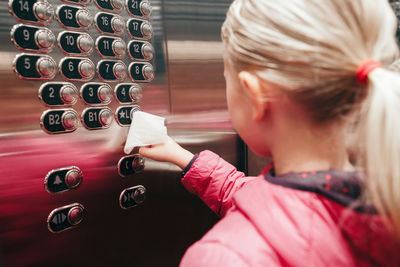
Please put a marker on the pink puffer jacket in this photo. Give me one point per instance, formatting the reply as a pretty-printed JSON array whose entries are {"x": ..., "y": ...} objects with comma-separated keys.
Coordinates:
[{"x": 290, "y": 220}]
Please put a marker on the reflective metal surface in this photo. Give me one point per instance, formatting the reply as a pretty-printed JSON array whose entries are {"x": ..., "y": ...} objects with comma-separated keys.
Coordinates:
[{"x": 188, "y": 89}]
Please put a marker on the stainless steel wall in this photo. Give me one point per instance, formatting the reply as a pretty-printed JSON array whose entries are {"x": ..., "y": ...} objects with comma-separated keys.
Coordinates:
[{"x": 189, "y": 90}]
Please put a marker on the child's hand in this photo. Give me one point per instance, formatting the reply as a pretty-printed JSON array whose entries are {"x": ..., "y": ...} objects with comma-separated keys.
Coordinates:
[{"x": 169, "y": 152}]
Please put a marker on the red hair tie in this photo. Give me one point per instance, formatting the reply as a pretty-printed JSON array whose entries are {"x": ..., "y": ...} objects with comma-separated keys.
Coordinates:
[{"x": 365, "y": 69}]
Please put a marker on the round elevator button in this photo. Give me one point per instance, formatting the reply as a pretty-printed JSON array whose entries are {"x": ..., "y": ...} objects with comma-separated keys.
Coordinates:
[
  {"x": 146, "y": 9},
  {"x": 43, "y": 11},
  {"x": 73, "y": 178},
  {"x": 120, "y": 71},
  {"x": 68, "y": 94},
  {"x": 46, "y": 67},
  {"x": 147, "y": 30},
  {"x": 45, "y": 39},
  {"x": 148, "y": 52},
  {"x": 87, "y": 69},
  {"x": 140, "y": 195},
  {"x": 117, "y": 4},
  {"x": 118, "y": 47},
  {"x": 85, "y": 43},
  {"x": 70, "y": 120},
  {"x": 84, "y": 19},
  {"x": 136, "y": 94},
  {"x": 105, "y": 94},
  {"x": 148, "y": 72},
  {"x": 106, "y": 117},
  {"x": 75, "y": 215},
  {"x": 117, "y": 25}
]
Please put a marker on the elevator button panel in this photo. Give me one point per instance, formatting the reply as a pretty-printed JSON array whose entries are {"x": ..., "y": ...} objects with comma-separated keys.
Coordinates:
[
  {"x": 142, "y": 51},
  {"x": 111, "y": 70},
  {"x": 71, "y": 17},
  {"x": 130, "y": 165},
  {"x": 77, "y": 69},
  {"x": 132, "y": 197},
  {"x": 139, "y": 29},
  {"x": 97, "y": 118},
  {"x": 115, "y": 6},
  {"x": 75, "y": 43},
  {"x": 32, "y": 38},
  {"x": 107, "y": 23},
  {"x": 111, "y": 47},
  {"x": 141, "y": 72},
  {"x": 139, "y": 8},
  {"x": 63, "y": 180},
  {"x": 32, "y": 11},
  {"x": 35, "y": 67},
  {"x": 128, "y": 93},
  {"x": 65, "y": 218},
  {"x": 58, "y": 121},
  {"x": 58, "y": 94},
  {"x": 96, "y": 94},
  {"x": 123, "y": 115},
  {"x": 78, "y": 2}
]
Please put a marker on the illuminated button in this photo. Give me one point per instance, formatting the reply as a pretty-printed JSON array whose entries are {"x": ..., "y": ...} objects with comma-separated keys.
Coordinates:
[
  {"x": 123, "y": 115},
  {"x": 96, "y": 94},
  {"x": 131, "y": 197},
  {"x": 140, "y": 50},
  {"x": 140, "y": 29},
  {"x": 97, "y": 118},
  {"x": 139, "y": 8},
  {"x": 141, "y": 72},
  {"x": 34, "y": 67},
  {"x": 65, "y": 218},
  {"x": 57, "y": 121},
  {"x": 63, "y": 180}
]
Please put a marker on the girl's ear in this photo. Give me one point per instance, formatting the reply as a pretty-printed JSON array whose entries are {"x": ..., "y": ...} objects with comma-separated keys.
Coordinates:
[{"x": 252, "y": 86}]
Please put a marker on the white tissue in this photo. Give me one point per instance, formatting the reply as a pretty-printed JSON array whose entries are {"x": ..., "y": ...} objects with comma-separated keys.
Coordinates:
[{"x": 146, "y": 129}]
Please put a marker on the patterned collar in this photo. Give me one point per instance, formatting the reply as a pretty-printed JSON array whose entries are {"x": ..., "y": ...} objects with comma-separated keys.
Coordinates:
[{"x": 344, "y": 188}]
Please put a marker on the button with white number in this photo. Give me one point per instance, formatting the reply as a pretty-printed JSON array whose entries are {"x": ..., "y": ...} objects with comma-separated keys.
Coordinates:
[
  {"x": 96, "y": 94},
  {"x": 71, "y": 17},
  {"x": 32, "y": 11},
  {"x": 123, "y": 115},
  {"x": 32, "y": 38},
  {"x": 142, "y": 51},
  {"x": 139, "y": 29},
  {"x": 110, "y": 47},
  {"x": 114, "y": 6},
  {"x": 139, "y": 8},
  {"x": 56, "y": 94},
  {"x": 107, "y": 23},
  {"x": 141, "y": 72},
  {"x": 63, "y": 180},
  {"x": 128, "y": 93},
  {"x": 97, "y": 118},
  {"x": 77, "y": 69},
  {"x": 64, "y": 218},
  {"x": 57, "y": 121},
  {"x": 111, "y": 70},
  {"x": 75, "y": 43},
  {"x": 34, "y": 67}
]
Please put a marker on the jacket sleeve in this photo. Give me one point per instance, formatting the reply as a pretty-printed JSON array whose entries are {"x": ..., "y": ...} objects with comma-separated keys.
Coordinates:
[{"x": 214, "y": 180}]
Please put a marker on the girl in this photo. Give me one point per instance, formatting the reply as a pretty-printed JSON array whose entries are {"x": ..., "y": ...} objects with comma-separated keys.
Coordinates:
[{"x": 300, "y": 76}]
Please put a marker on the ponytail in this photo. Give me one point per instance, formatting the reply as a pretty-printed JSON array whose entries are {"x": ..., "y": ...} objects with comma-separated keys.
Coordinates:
[{"x": 379, "y": 136}]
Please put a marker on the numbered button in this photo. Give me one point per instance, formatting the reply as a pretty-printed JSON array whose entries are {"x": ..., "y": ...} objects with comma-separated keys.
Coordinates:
[
  {"x": 111, "y": 71},
  {"x": 77, "y": 69},
  {"x": 76, "y": 18},
  {"x": 96, "y": 94},
  {"x": 114, "y": 6},
  {"x": 75, "y": 43},
  {"x": 32, "y": 11},
  {"x": 142, "y": 51},
  {"x": 141, "y": 72},
  {"x": 63, "y": 180},
  {"x": 107, "y": 23},
  {"x": 59, "y": 121},
  {"x": 64, "y": 218},
  {"x": 128, "y": 93},
  {"x": 31, "y": 38},
  {"x": 139, "y": 8},
  {"x": 110, "y": 47},
  {"x": 34, "y": 67},
  {"x": 56, "y": 94},
  {"x": 97, "y": 118},
  {"x": 79, "y": 2},
  {"x": 123, "y": 115},
  {"x": 139, "y": 29}
]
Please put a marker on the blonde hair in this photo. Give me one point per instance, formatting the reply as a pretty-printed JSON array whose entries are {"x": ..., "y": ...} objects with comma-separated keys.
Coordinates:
[{"x": 311, "y": 49}]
